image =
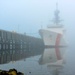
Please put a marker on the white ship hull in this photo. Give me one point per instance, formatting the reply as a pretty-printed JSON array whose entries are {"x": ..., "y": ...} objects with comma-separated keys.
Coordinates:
[{"x": 53, "y": 37}]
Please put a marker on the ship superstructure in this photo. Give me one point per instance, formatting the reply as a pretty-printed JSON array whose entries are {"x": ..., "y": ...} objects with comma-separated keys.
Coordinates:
[{"x": 53, "y": 35}]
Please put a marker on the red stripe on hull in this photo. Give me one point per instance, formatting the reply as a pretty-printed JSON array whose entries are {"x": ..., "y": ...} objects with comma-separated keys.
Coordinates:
[{"x": 56, "y": 46}]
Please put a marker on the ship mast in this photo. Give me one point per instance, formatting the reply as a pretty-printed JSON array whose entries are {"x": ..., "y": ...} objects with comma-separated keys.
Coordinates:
[{"x": 56, "y": 20}]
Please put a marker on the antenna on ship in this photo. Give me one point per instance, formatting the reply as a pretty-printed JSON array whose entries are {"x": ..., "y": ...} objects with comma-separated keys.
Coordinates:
[{"x": 56, "y": 13}]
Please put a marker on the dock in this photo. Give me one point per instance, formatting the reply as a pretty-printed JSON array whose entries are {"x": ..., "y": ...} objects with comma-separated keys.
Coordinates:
[{"x": 15, "y": 46}]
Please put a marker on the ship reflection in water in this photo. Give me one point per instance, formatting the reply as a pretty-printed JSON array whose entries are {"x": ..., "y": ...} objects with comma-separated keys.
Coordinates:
[
  {"x": 36, "y": 65},
  {"x": 54, "y": 58}
]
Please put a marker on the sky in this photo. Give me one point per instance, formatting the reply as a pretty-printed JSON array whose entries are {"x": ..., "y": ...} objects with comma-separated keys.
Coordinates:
[{"x": 27, "y": 16}]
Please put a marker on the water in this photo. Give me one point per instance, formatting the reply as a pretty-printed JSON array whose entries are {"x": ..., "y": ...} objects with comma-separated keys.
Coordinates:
[
  {"x": 26, "y": 66},
  {"x": 33, "y": 65}
]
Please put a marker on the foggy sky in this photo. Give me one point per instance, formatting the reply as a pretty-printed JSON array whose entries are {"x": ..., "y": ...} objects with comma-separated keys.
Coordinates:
[{"x": 28, "y": 15}]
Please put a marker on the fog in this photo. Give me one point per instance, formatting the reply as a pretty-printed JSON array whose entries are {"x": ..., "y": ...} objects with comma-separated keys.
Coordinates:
[{"x": 27, "y": 16}]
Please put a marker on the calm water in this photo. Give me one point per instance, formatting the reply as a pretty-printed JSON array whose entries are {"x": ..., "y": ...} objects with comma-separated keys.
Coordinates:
[{"x": 32, "y": 64}]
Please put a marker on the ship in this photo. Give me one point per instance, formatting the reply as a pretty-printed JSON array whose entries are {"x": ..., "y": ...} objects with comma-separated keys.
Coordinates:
[{"x": 54, "y": 34}]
